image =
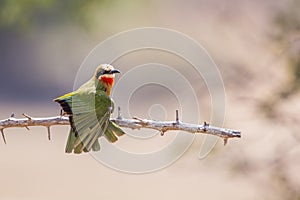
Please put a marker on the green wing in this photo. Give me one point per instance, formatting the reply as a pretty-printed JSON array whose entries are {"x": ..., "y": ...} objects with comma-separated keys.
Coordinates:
[{"x": 89, "y": 114}]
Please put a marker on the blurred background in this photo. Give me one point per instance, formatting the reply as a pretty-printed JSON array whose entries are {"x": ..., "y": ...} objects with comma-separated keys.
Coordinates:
[{"x": 256, "y": 46}]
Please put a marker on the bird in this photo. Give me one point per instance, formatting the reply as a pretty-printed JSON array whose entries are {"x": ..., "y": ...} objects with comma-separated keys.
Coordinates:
[{"x": 89, "y": 109}]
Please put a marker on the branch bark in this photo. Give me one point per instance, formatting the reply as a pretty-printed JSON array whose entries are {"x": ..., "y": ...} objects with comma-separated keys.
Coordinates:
[{"x": 135, "y": 123}]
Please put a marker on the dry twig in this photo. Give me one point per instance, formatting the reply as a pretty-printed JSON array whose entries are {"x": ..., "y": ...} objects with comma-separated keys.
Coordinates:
[{"x": 135, "y": 123}]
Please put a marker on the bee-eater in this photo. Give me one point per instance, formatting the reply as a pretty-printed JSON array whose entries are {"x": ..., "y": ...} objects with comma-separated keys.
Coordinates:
[{"x": 89, "y": 109}]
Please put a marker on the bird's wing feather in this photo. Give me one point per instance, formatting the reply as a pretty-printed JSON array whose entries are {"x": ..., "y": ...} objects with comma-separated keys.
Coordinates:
[
  {"x": 89, "y": 113},
  {"x": 90, "y": 118}
]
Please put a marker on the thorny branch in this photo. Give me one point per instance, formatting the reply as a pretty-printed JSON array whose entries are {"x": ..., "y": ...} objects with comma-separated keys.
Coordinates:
[{"x": 135, "y": 123}]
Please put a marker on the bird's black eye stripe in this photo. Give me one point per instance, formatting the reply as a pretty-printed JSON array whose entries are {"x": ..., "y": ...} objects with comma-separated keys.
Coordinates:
[
  {"x": 106, "y": 71},
  {"x": 102, "y": 72}
]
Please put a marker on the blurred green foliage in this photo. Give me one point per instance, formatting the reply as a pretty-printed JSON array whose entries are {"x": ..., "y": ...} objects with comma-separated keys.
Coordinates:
[
  {"x": 20, "y": 13},
  {"x": 288, "y": 36},
  {"x": 30, "y": 13},
  {"x": 287, "y": 21}
]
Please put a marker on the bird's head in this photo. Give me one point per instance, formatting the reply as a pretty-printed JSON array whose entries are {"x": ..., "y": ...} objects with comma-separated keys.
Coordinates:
[{"x": 106, "y": 74}]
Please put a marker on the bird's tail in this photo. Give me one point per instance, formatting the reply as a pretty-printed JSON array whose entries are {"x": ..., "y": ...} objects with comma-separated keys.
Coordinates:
[
  {"x": 112, "y": 132},
  {"x": 80, "y": 144}
]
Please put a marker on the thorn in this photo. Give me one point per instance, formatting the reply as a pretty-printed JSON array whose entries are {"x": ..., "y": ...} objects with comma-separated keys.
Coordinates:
[
  {"x": 119, "y": 113},
  {"x": 177, "y": 117},
  {"x": 12, "y": 114},
  {"x": 3, "y": 136},
  {"x": 48, "y": 129},
  {"x": 27, "y": 116},
  {"x": 27, "y": 128},
  {"x": 143, "y": 122},
  {"x": 225, "y": 141},
  {"x": 137, "y": 118},
  {"x": 205, "y": 126}
]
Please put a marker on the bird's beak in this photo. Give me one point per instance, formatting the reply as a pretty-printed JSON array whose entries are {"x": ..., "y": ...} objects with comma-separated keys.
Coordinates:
[{"x": 114, "y": 71}]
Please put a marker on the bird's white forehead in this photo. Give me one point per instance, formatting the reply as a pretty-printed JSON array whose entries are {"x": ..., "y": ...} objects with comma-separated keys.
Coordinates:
[{"x": 107, "y": 67}]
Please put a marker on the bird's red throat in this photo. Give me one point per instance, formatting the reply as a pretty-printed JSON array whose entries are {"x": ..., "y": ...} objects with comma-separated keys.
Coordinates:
[{"x": 108, "y": 80}]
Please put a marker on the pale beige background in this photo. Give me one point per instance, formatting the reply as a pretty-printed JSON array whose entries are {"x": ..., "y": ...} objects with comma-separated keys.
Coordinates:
[{"x": 40, "y": 62}]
